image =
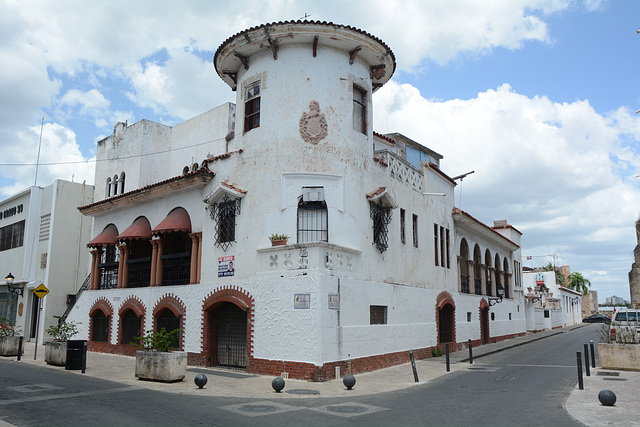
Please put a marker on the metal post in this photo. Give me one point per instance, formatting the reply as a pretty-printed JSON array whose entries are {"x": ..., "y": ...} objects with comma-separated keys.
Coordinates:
[
  {"x": 593, "y": 355},
  {"x": 35, "y": 352},
  {"x": 84, "y": 356},
  {"x": 470, "y": 353},
  {"x": 413, "y": 365},
  {"x": 586, "y": 360},
  {"x": 446, "y": 349},
  {"x": 580, "y": 383},
  {"x": 20, "y": 347}
]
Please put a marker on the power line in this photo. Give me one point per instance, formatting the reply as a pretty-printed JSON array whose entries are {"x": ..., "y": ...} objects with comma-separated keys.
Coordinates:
[{"x": 114, "y": 158}]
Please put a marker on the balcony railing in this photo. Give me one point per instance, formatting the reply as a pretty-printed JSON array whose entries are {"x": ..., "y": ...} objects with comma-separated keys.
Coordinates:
[
  {"x": 401, "y": 169},
  {"x": 139, "y": 272},
  {"x": 301, "y": 256},
  {"x": 465, "y": 284},
  {"x": 176, "y": 269}
]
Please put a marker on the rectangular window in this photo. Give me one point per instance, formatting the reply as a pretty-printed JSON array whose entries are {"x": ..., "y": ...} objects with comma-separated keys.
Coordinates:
[
  {"x": 12, "y": 236},
  {"x": 359, "y": 110},
  {"x": 442, "y": 248},
  {"x": 435, "y": 242},
  {"x": 448, "y": 251},
  {"x": 252, "y": 107},
  {"x": 403, "y": 238},
  {"x": 378, "y": 314},
  {"x": 468, "y": 316},
  {"x": 415, "y": 230}
]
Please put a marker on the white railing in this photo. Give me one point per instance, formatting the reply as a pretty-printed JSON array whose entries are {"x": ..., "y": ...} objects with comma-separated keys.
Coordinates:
[
  {"x": 401, "y": 170},
  {"x": 315, "y": 255}
]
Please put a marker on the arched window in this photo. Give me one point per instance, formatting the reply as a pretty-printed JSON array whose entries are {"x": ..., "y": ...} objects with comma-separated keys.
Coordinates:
[
  {"x": 464, "y": 266},
  {"x": 477, "y": 279},
  {"x": 100, "y": 327},
  {"x": 131, "y": 327},
  {"x": 114, "y": 183},
  {"x": 108, "y": 189},
  {"x": 169, "y": 321},
  {"x": 312, "y": 221},
  {"x": 122, "y": 183},
  {"x": 487, "y": 267},
  {"x": 185, "y": 170}
]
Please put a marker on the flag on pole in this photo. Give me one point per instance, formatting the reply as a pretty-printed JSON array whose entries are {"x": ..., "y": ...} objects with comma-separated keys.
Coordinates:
[{"x": 529, "y": 258}]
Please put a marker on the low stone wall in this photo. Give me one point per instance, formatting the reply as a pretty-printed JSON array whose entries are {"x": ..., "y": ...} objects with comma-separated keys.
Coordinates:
[{"x": 619, "y": 356}]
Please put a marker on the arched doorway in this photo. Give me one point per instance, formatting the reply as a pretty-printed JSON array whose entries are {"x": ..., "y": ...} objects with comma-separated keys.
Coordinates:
[
  {"x": 446, "y": 322},
  {"x": 484, "y": 323},
  {"x": 228, "y": 335}
]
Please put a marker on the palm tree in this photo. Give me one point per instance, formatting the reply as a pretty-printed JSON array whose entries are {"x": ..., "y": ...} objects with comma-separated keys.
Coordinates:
[
  {"x": 578, "y": 283},
  {"x": 559, "y": 276}
]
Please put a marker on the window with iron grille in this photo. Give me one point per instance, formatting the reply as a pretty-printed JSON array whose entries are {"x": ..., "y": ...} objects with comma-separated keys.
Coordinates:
[
  {"x": 313, "y": 224},
  {"x": 252, "y": 107},
  {"x": 381, "y": 216},
  {"x": 415, "y": 230},
  {"x": 378, "y": 314},
  {"x": 224, "y": 214},
  {"x": 359, "y": 110},
  {"x": 176, "y": 259}
]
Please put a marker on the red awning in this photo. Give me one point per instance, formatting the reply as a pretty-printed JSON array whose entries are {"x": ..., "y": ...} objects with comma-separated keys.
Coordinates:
[
  {"x": 107, "y": 237},
  {"x": 140, "y": 229},
  {"x": 177, "y": 220}
]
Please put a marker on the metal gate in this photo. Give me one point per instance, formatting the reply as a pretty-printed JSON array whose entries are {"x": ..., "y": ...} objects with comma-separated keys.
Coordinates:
[{"x": 230, "y": 339}]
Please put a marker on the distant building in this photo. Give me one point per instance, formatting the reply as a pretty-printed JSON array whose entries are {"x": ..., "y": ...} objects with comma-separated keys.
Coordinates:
[
  {"x": 590, "y": 304},
  {"x": 614, "y": 300},
  {"x": 549, "y": 305},
  {"x": 43, "y": 241}
]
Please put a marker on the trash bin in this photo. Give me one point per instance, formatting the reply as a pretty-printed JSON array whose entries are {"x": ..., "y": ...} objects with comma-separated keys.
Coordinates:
[{"x": 75, "y": 354}]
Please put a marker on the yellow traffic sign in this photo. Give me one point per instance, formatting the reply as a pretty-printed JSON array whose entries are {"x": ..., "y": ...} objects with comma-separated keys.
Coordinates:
[{"x": 41, "y": 291}]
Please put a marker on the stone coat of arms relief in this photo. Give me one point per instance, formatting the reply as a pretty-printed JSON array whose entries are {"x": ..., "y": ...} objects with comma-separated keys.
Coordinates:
[{"x": 313, "y": 125}]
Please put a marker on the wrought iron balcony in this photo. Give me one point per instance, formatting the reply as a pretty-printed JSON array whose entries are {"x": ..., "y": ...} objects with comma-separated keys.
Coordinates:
[
  {"x": 478, "y": 286},
  {"x": 465, "y": 284}
]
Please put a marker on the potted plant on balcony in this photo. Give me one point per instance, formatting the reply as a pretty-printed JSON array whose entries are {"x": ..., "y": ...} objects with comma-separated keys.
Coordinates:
[
  {"x": 278, "y": 239},
  {"x": 155, "y": 361},
  {"x": 9, "y": 338},
  {"x": 55, "y": 352}
]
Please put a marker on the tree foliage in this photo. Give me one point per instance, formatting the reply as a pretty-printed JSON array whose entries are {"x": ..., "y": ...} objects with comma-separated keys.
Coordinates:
[
  {"x": 559, "y": 276},
  {"x": 579, "y": 283}
]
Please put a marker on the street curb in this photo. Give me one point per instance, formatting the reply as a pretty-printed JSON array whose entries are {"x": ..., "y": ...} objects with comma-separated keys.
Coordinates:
[{"x": 511, "y": 346}]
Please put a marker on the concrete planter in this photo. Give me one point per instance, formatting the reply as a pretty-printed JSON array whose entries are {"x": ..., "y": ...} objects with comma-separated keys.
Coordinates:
[
  {"x": 9, "y": 346},
  {"x": 55, "y": 353},
  {"x": 162, "y": 366},
  {"x": 619, "y": 356}
]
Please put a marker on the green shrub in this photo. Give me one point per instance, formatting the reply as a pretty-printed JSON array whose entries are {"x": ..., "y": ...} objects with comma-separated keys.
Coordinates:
[
  {"x": 63, "y": 330},
  {"x": 158, "y": 340}
]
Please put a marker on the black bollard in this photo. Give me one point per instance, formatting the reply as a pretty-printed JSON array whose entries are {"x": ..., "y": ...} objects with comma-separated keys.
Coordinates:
[
  {"x": 84, "y": 356},
  {"x": 593, "y": 355},
  {"x": 20, "y": 347},
  {"x": 586, "y": 361},
  {"x": 580, "y": 383},
  {"x": 470, "y": 353},
  {"x": 413, "y": 365},
  {"x": 446, "y": 350}
]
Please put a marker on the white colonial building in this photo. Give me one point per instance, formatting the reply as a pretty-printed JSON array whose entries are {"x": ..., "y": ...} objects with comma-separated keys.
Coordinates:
[
  {"x": 43, "y": 241},
  {"x": 377, "y": 262},
  {"x": 549, "y": 305}
]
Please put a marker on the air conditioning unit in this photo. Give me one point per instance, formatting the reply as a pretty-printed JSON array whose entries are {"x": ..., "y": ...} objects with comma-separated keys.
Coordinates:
[{"x": 313, "y": 194}]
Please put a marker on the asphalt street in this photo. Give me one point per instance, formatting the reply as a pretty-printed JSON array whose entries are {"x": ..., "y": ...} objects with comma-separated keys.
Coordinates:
[{"x": 506, "y": 385}]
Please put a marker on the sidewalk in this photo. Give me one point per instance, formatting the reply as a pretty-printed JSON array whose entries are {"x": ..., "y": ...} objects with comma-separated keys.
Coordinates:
[{"x": 581, "y": 404}]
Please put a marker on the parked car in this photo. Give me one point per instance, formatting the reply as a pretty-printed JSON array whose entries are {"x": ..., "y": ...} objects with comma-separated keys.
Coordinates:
[
  {"x": 597, "y": 318},
  {"x": 625, "y": 326}
]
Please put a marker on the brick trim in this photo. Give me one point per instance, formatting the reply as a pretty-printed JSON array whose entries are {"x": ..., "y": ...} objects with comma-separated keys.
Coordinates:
[
  {"x": 442, "y": 300},
  {"x": 132, "y": 303},
  {"x": 101, "y": 304},
  {"x": 177, "y": 307}
]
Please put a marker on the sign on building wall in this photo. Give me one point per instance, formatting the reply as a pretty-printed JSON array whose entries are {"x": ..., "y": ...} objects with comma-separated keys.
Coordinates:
[
  {"x": 226, "y": 266},
  {"x": 302, "y": 301},
  {"x": 334, "y": 302}
]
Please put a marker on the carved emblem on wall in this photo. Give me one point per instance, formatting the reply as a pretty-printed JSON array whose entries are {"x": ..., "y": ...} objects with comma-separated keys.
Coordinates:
[{"x": 313, "y": 125}]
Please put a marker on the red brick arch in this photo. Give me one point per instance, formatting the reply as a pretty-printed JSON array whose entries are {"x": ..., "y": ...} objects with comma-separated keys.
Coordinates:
[
  {"x": 444, "y": 299},
  {"x": 242, "y": 299},
  {"x": 176, "y": 306},
  {"x": 101, "y": 304}
]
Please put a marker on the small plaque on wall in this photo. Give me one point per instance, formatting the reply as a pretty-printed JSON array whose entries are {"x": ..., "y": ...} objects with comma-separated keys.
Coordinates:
[
  {"x": 334, "y": 302},
  {"x": 302, "y": 301}
]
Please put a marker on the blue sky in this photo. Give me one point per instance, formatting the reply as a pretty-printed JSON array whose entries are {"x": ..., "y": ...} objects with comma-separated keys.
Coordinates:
[{"x": 537, "y": 96}]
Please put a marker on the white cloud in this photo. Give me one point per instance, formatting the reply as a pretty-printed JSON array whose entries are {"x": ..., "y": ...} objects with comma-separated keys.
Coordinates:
[
  {"x": 543, "y": 165},
  {"x": 58, "y": 147}
]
